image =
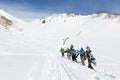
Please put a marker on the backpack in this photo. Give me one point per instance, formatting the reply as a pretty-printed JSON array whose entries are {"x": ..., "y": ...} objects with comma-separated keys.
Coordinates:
[{"x": 91, "y": 56}]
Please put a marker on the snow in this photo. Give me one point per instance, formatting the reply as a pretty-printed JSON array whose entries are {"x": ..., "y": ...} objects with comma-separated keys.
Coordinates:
[{"x": 33, "y": 54}]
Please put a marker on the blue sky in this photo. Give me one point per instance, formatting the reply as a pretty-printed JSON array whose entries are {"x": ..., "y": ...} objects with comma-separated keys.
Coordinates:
[{"x": 32, "y": 9}]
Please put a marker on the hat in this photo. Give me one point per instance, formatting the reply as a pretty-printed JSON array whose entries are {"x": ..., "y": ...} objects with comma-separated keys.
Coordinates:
[{"x": 87, "y": 47}]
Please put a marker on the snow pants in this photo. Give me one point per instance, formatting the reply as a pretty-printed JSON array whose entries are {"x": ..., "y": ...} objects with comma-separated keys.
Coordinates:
[
  {"x": 62, "y": 54},
  {"x": 89, "y": 64},
  {"x": 74, "y": 58},
  {"x": 82, "y": 59}
]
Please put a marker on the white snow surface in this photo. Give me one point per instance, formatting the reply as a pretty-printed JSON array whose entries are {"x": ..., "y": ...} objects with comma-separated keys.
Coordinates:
[{"x": 34, "y": 53}]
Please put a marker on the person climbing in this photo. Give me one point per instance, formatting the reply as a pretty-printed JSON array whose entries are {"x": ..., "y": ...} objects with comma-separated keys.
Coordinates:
[
  {"x": 89, "y": 56},
  {"x": 92, "y": 58},
  {"x": 82, "y": 55},
  {"x": 72, "y": 53},
  {"x": 62, "y": 51},
  {"x": 68, "y": 53}
]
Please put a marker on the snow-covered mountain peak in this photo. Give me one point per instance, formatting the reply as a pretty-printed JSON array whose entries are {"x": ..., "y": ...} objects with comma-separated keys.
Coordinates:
[
  {"x": 106, "y": 15},
  {"x": 5, "y": 20},
  {"x": 8, "y": 21},
  {"x": 64, "y": 15},
  {"x": 57, "y": 18}
]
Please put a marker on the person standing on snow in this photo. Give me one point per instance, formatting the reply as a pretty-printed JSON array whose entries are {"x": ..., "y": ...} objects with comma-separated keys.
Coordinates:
[
  {"x": 62, "y": 51},
  {"x": 72, "y": 53},
  {"x": 68, "y": 53},
  {"x": 82, "y": 55},
  {"x": 89, "y": 56}
]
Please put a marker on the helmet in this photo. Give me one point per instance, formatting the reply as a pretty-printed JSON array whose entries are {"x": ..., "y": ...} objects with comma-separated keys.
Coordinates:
[
  {"x": 81, "y": 48},
  {"x": 87, "y": 47},
  {"x": 71, "y": 46}
]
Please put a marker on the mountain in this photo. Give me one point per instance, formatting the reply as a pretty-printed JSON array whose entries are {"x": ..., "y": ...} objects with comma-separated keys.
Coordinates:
[
  {"x": 115, "y": 17},
  {"x": 64, "y": 17},
  {"x": 34, "y": 53},
  {"x": 7, "y": 21}
]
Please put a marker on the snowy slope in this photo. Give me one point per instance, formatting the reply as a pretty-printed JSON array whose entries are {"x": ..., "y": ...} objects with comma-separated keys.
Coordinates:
[
  {"x": 8, "y": 21},
  {"x": 33, "y": 54}
]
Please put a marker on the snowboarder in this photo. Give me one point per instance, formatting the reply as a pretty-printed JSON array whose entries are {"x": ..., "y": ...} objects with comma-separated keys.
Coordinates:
[
  {"x": 92, "y": 58},
  {"x": 82, "y": 55},
  {"x": 72, "y": 53},
  {"x": 89, "y": 56},
  {"x": 62, "y": 51},
  {"x": 68, "y": 53}
]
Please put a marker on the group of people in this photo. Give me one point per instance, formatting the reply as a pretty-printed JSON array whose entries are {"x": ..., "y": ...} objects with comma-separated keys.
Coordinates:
[{"x": 84, "y": 55}]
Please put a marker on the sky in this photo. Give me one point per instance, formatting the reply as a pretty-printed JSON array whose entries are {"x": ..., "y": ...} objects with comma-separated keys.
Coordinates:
[{"x": 29, "y": 10}]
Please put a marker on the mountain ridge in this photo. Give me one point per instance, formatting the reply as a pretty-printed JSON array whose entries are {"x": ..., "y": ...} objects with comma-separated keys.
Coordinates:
[{"x": 99, "y": 14}]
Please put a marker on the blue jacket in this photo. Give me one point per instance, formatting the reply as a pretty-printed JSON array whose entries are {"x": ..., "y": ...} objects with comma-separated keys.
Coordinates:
[
  {"x": 72, "y": 52},
  {"x": 81, "y": 51}
]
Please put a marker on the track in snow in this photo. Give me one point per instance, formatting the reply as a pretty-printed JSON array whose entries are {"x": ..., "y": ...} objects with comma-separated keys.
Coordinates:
[{"x": 59, "y": 68}]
